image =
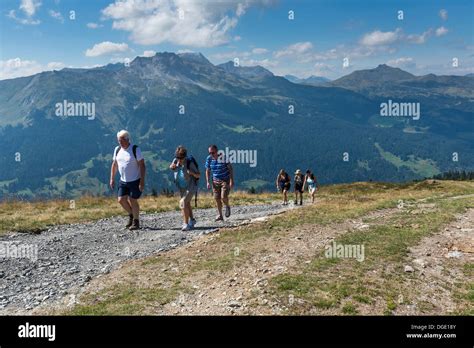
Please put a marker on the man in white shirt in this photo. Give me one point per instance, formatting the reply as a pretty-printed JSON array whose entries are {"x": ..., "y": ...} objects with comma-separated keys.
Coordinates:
[{"x": 130, "y": 163}]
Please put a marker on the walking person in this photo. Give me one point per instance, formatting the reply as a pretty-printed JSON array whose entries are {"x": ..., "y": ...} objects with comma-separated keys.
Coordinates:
[
  {"x": 310, "y": 180},
  {"x": 283, "y": 184},
  {"x": 222, "y": 179},
  {"x": 299, "y": 187},
  {"x": 130, "y": 163},
  {"x": 186, "y": 176}
]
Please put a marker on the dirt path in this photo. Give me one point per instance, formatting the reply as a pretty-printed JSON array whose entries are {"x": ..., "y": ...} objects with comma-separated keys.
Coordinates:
[
  {"x": 438, "y": 263},
  {"x": 240, "y": 290},
  {"x": 59, "y": 262},
  {"x": 243, "y": 289}
]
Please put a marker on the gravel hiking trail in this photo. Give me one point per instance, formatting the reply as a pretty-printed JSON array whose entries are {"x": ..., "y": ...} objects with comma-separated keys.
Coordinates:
[{"x": 69, "y": 256}]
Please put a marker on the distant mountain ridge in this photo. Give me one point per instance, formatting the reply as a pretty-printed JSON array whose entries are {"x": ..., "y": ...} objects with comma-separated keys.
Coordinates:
[
  {"x": 311, "y": 80},
  {"x": 169, "y": 99}
]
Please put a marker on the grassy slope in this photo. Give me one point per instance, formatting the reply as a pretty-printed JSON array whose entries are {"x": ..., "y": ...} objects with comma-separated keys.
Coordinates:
[
  {"x": 324, "y": 285},
  {"x": 36, "y": 216}
]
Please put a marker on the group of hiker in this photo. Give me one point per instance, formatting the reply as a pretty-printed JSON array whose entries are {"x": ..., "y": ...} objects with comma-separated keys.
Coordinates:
[
  {"x": 283, "y": 184},
  {"x": 129, "y": 161}
]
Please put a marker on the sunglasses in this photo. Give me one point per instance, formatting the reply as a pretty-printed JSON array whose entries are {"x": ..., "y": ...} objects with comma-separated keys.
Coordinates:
[{"x": 212, "y": 152}]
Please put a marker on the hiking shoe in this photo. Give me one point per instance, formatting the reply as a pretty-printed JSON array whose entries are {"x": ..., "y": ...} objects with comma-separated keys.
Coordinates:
[
  {"x": 192, "y": 222},
  {"x": 135, "y": 225},
  {"x": 219, "y": 218},
  {"x": 301, "y": 202},
  {"x": 186, "y": 227},
  {"x": 130, "y": 221},
  {"x": 227, "y": 211}
]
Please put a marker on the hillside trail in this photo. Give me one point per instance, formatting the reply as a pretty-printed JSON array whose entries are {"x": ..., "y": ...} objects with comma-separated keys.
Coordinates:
[
  {"x": 61, "y": 260},
  {"x": 245, "y": 289},
  {"x": 86, "y": 258}
]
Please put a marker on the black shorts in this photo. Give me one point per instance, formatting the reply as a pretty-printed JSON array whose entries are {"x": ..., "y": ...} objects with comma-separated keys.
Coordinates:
[
  {"x": 285, "y": 186},
  {"x": 299, "y": 188},
  {"x": 129, "y": 189}
]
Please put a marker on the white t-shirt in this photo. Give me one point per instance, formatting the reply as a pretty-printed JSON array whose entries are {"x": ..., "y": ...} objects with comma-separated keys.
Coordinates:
[{"x": 127, "y": 164}]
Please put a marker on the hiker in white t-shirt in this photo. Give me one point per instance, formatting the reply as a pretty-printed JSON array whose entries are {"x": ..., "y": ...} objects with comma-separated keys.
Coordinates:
[{"x": 130, "y": 163}]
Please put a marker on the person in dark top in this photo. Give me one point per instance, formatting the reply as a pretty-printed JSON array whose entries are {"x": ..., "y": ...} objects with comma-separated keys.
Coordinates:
[
  {"x": 299, "y": 187},
  {"x": 283, "y": 184}
]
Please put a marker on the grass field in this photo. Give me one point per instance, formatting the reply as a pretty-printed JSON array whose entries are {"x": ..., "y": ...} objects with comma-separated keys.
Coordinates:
[{"x": 308, "y": 282}]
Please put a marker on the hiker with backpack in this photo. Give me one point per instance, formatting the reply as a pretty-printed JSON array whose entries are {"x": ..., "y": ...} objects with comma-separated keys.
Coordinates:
[
  {"x": 310, "y": 180},
  {"x": 130, "y": 163},
  {"x": 222, "y": 179},
  {"x": 299, "y": 187},
  {"x": 186, "y": 176},
  {"x": 283, "y": 184}
]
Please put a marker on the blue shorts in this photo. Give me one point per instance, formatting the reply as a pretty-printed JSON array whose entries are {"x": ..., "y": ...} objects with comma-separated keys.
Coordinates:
[{"x": 129, "y": 189}]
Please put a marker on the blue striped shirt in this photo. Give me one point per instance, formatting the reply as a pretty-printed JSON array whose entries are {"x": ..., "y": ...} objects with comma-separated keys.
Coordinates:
[{"x": 218, "y": 167}]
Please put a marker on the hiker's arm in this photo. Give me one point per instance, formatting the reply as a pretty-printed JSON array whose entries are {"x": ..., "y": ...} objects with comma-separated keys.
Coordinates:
[
  {"x": 304, "y": 182},
  {"x": 141, "y": 164},
  {"x": 173, "y": 165},
  {"x": 207, "y": 178},
  {"x": 113, "y": 171},
  {"x": 231, "y": 171}
]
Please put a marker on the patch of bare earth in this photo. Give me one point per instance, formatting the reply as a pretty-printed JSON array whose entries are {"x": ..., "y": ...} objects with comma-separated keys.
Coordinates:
[
  {"x": 439, "y": 262},
  {"x": 238, "y": 290}
]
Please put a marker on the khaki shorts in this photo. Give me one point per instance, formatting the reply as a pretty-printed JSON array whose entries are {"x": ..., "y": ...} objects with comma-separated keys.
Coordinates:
[{"x": 221, "y": 188}]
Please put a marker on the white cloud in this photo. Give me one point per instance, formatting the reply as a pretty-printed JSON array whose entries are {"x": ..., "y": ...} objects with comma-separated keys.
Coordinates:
[
  {"x": 225, "y": 56},
  {"x": 56, "y": 15},
  {"x": 295, "y": 49},
  {"x": 27, "y": 21},
  {"x": 17, "y": 67},
  {"x": 106, "y": 47},
  {"x": 441, "y": 31},
  {"x": 122, "y": 60},
  {"x": 92, "y": 25},
  {"x": 182, "y": 22},
  {"x": 259, "y": 50},
  {"x": 420, "y": 39},
  {"x": 379, "y": 38},
  {"x": 30, "y": 6},
  {"x": 266, "y": 63},
  {"x": 184, "y": 51},
  {"x": 443, "y": 14},
  {"x": 402, "y": 62},
  {"x": 149, "y": 53}
]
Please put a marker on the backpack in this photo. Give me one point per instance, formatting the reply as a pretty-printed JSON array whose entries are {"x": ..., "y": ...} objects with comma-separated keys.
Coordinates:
[
  {"x": 298, "y": 179},
  {"x": 190, "y": 160},
  {"x": 134, "y": 150}
]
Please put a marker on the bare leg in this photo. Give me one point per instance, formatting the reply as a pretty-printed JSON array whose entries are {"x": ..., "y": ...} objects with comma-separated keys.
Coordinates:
[
  {"x": 185, "y": 211},
  {"x": 225, "y": 200},
  {"x": 135, "y": 207},
  {"x": 190, "y": 211},
  {"x": 123, "y": 200},
  {"x": 219, "y": 205}
]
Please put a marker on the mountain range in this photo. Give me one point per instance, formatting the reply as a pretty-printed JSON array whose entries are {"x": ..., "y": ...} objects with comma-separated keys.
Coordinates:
[{"x": 335, "y": 128}]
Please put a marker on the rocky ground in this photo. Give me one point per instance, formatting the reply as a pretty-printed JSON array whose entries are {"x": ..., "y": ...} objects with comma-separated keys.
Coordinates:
[{"x": 65, "y": 258}]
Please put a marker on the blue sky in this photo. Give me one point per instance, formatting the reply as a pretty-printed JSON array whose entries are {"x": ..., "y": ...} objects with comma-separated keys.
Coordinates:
[{"x": 38, "y": 35}]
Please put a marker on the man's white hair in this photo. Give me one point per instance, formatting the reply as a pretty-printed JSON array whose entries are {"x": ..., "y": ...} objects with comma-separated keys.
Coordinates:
[{"x": 123, "y": 134}]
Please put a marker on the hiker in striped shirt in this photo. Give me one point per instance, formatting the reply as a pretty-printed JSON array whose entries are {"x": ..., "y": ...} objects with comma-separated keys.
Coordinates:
[{"x": 222, "y": 179}]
